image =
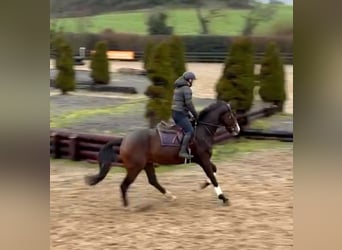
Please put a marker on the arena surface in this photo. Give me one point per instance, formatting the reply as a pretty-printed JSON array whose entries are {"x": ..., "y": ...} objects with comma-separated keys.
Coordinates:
[{"x": 259, "y": 186}]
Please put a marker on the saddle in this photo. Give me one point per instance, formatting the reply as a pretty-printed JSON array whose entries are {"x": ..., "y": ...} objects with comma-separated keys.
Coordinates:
[{"x": 170, "y": 134}]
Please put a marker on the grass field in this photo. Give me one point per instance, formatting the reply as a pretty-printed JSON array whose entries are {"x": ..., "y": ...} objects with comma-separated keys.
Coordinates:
[
  {"x": 184, "y": 22},
  {"x": 70, "y": 117}
]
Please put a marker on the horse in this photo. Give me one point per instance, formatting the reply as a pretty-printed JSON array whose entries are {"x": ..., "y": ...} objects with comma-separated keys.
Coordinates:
[{"x": 143, "y": 148}]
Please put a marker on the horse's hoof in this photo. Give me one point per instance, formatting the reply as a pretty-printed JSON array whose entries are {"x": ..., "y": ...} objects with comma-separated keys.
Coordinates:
[
  {"x": 224, "y": 199},
  {"x": 90, "y": 180},
  {"x": 128, "y": 209},
  {"x": 226, "y": 202},
  {"x": 204, "y": 185},
  {"x": 170, "y": 196}
]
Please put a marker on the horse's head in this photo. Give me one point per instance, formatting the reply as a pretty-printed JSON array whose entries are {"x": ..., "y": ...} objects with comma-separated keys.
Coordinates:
[
  {"x": 219, "y": 114},
  {"x": 228, "y": 119}
]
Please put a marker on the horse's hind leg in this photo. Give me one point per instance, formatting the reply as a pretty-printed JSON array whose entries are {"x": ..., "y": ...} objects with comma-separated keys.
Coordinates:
[
  {"x": 132, "y": 173},
  {"x": 152, "y": 179}
]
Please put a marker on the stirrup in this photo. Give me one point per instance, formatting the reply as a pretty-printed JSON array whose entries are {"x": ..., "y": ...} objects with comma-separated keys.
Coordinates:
[
  {"x": 186, "y": 159},
  {"x": 185, "y": 156}
]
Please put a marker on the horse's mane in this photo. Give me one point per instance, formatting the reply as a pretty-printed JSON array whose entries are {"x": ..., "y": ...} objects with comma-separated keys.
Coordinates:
[{"x": 210, "y": 108}]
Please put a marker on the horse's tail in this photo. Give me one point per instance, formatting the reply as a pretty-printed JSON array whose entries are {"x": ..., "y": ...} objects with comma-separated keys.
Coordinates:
[{"x": 106, "y": 156}]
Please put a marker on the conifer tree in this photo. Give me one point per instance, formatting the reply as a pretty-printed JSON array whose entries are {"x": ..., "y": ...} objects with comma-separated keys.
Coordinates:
[
  {"x": 272, "y": 77},
  {"x": 65, "y": 80},
  {"x": 237, "y": 81},
  {"x": 160, "y": 91},
  {"x": 148, "y": 51},
  {"x": 99, "y": 64},
  {"x": 177, "y": 55},
  {"x": 57, "y": 44}
]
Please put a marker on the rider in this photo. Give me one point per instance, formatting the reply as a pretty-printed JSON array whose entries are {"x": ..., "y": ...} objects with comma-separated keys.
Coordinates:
[{"x": 181, "y": 105}]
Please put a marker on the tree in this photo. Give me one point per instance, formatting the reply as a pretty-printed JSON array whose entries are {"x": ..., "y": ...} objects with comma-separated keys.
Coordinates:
[
  {"x": 272, "y": 77},
  {"x": 57, "y": 45},
  {"x": 107, "y": 35},
  {"x": 205, "y": 20},
  {"x": 148, "y": 54},
  {"x": 237, "y": 81},
  {"x": 259, "y": 13},
  {"x": 157, "y": 24},
  {"x": 65, "y": 80},
  {"x": 160, "y": 91},
  {"x": 177, "y": 51},
  {"x": 99, "y": 64}
]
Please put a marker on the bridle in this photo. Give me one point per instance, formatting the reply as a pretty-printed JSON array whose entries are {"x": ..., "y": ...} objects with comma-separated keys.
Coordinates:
[
  {"x": 208, "y": 124},
  {"x": 212, "y": 124}
]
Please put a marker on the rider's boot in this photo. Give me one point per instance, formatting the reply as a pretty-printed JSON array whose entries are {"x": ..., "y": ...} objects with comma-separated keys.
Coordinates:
[{"x": 183, "y": 150}]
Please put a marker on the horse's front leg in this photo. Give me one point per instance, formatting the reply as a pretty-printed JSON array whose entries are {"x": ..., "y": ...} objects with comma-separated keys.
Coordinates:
[
  {"x": 208, "y": 169},
  {"x": 208, "y": 182}
]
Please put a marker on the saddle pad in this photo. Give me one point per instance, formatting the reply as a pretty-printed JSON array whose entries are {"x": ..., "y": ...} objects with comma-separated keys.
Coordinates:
[
  {"x": 170, "y": 139},
  {"x": 168, "y": 127}
]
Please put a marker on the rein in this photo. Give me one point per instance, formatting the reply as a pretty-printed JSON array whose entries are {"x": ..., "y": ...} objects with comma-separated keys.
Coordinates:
[{"x": 208, "y": 124}]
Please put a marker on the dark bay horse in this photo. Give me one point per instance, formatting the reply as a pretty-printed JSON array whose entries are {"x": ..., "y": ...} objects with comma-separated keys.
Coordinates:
[{"x": 139, "y": 150}]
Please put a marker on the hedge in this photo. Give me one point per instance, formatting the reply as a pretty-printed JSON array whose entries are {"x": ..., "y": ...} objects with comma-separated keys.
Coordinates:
[{"x": 192, "y": 43}]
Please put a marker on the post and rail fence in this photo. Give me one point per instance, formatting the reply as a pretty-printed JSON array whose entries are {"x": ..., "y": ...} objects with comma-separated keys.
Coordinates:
[
  {"x": 205, "y": 57},
  {"x": 85, "y": 146}
]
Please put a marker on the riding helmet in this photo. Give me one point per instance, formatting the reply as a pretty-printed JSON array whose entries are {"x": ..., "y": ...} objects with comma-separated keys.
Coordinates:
[{"x": 189, "y": 75}]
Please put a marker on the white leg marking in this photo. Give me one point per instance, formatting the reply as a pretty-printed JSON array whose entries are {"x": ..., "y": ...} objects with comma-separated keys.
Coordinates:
[
  {"x": 208, "y": 180},
  {"x": 218, "y": 190},
  {"x": 238, "y": 128},
  {"x": 169, "y": 195}
]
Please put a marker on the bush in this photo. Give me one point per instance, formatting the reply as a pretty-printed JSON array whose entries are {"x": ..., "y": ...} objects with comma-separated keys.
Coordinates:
[
  {"x": 65, "y": 80},
  {"x": 160, "y": 92},
  {"x": 177, "y": 55},
  {"x": 237, "y": 82},
  {"x": 107, "y": 34},
  {"x": 99, "y": 64},
  {"x": 272, "y": 78},
  {"x": 192, "y": 43}
]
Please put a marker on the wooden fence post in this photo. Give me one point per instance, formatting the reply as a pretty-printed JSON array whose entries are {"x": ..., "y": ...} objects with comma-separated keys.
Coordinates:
[
  {"x": 55, "y": 145},
  {"x": 73, "y": 152}
]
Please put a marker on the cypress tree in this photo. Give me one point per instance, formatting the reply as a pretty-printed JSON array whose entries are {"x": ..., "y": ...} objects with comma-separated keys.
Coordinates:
[
  {"x": 237, "y": 81},
  {"x": 177, "y": 51},
  {"x": 65, "y": 80},
  {"x": 272, "y": 77},
  {"x": 148, "y": 54},
  {"x": 161, "y": 90},
  {"x": 99, "y": 64},
  {"x": 58, "y": 43}
]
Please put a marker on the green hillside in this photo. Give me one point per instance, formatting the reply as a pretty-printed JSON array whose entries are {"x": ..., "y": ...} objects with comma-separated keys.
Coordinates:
[{"x": 184, "y": 22}]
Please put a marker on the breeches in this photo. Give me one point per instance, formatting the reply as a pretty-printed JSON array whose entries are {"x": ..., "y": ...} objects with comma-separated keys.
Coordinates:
[{"x": 182, "y": 120}]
